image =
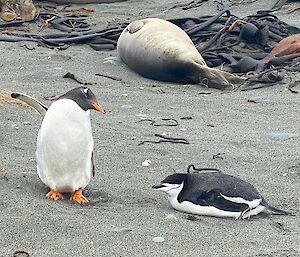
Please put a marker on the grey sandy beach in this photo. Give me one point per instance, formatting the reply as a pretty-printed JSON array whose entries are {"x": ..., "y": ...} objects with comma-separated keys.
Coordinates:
[{"x": 125, "y": 216}]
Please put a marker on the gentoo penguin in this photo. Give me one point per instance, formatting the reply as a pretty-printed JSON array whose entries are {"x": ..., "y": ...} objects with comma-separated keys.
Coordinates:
[
  {"x": 65, "y": 143},
  {"x": 212, "y": 193}
]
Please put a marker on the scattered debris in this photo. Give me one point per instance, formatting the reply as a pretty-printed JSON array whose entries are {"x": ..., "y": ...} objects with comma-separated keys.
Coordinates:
[
  {"x": 51, "y": 98},
  {"x": 197, "y": 170},
  {"x": 190, "y": 5},
  {"x": 109, "y": 77},
  {"x": 268, "y": 78},
  {"x": 192, "y": 217},
  {"x": 292, "y": 85},
  {"x": 72, "y": 76},
  {"x": 287, "y": 46},
  {"x": 166, "y": 139},
  {"x": 20, "y": 253},
  {"x": 173, "y": 122},
  {"x": 186, "y": 118},
  {"x": 218, "y": 156}
]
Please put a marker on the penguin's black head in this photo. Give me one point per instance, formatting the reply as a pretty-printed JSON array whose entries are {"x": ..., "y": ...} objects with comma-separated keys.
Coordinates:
[
  {"x": 171, "y": 182},
  {"x": 84, "y": 97}
]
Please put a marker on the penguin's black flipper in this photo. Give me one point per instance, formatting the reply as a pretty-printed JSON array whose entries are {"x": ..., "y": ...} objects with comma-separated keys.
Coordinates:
[{"x": 41, "y": 108}]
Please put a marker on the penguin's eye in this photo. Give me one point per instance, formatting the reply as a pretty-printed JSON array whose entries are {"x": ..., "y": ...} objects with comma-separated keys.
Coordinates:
[{"x": 85, "y": 90}]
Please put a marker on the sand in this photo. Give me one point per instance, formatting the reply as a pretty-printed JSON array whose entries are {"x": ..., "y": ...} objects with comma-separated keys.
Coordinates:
[{"x": 125, "y": 214}]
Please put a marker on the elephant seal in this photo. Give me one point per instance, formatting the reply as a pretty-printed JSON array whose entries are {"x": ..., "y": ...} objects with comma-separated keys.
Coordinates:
[{"x": 158, "y": 49}]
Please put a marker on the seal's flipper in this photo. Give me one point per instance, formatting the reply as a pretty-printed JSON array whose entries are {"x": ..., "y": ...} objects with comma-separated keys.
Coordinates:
[
  {"x": 219, "y": 79},
  {"x": 135, "y": 26},
  {"x": 41, "y": 108}
]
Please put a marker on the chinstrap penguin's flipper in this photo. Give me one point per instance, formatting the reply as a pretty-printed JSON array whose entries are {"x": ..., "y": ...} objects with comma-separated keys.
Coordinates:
[{"x": 32, "y": 102}]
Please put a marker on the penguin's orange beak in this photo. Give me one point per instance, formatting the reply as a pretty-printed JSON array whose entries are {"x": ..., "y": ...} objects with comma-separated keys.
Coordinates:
[{"x": 98, "y": 107}]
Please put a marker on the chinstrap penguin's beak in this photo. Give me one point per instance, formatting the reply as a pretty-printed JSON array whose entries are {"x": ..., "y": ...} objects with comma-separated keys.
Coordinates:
[
  {"x": 157, "y": 187},
  {"x": 98, "y": 107}
]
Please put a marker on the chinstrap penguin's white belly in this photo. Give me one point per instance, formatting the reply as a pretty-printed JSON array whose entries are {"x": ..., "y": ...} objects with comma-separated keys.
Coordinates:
[
  {"x": 64, "y": 147},
  {"x": 185, "y": 206},
  {"x": 189, "y": 207}
]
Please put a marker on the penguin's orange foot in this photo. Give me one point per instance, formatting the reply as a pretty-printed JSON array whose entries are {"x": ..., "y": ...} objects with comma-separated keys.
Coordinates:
[
  {"x": 54, "y": 195},
  {"x": 78, "y": 197}
]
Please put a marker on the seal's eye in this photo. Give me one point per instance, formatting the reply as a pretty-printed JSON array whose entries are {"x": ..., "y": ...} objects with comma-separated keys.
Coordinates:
[{"x": 85, "y": 90}]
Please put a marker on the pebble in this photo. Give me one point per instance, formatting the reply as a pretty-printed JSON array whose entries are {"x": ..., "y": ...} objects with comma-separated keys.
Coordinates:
[
  {"x": 158, "y": 239},
  {"x": 126, "y": 106},
  {"x": 146, "y": 163},
  {"x": 171, "y": 217}
]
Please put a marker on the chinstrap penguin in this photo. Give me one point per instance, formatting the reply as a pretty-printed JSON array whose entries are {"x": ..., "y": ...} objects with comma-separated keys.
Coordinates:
[
  {"x": 213, "y": 193},
  {"x": 65, "y": 161}
]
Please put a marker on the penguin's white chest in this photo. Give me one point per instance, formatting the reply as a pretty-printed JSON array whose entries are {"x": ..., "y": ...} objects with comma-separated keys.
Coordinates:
[{"x": 65, "y": 146}]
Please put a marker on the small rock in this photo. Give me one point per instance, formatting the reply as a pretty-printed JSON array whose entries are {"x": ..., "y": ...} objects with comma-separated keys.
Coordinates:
[
  {"x": 171, "y": 217},
  {"x": 126, "y": 106},
  {"x": 146, "y": 163},
  {"x": 158, "y": 239}
]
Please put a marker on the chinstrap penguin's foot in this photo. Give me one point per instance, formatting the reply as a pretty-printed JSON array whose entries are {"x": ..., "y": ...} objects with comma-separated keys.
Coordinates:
[
  {"x": 54, "y": 195},
  {"x": 78, "y": 197}
]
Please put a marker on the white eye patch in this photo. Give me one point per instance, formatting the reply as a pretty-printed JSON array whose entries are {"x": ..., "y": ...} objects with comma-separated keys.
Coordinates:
[{"x": 85, "y": 90}]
